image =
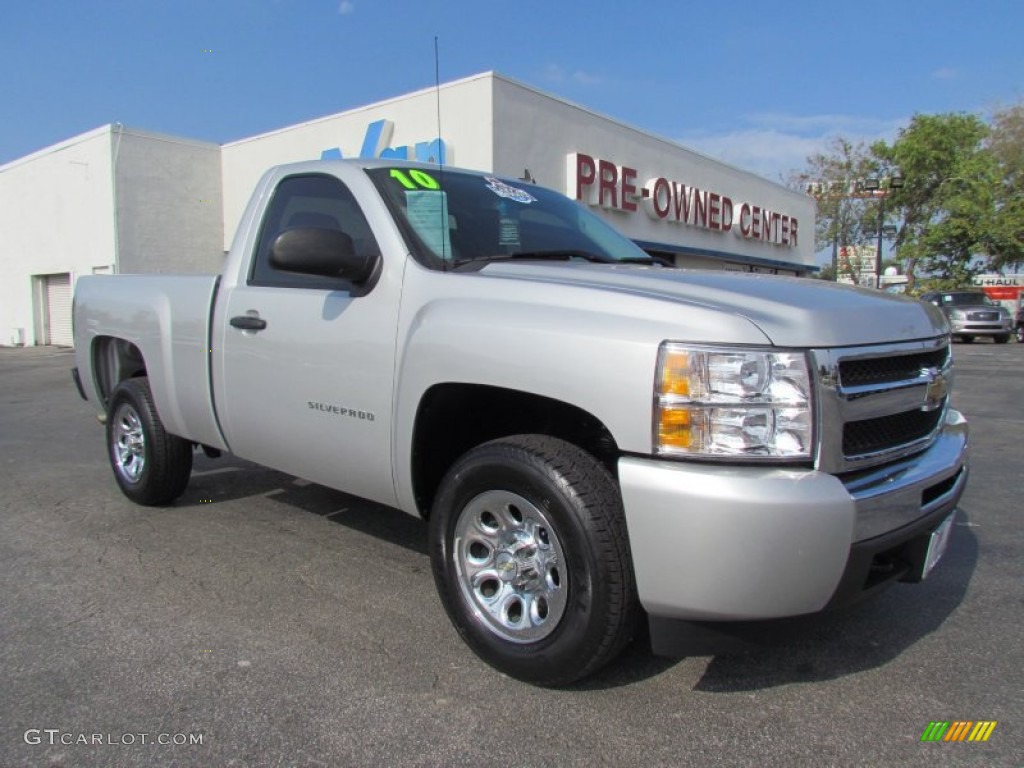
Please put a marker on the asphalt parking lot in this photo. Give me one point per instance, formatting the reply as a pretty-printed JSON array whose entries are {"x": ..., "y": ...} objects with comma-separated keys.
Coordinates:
[{"x": 282, "y": 624}]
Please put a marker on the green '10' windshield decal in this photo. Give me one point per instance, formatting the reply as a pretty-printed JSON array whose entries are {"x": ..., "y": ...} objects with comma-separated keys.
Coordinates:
[{"x": 414, "y": 178}]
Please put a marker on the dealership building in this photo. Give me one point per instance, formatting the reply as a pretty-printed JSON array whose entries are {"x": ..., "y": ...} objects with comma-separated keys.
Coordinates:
[{"x": 117, "y": 199}]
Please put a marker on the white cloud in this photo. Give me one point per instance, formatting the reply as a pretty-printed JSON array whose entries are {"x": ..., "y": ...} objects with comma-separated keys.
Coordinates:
[
  {"x": 767, "y": 153},
  {"x": 346, "y": 7},
  {"x": 555, "y": 73},
  {"x": 586, "y": 78},
  {"x": 837, "y": 123},
  {"x": 773, "y": 144}
]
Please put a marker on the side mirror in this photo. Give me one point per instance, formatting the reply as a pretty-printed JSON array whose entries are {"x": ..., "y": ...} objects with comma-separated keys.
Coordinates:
[{"x": 326, "y": 252}]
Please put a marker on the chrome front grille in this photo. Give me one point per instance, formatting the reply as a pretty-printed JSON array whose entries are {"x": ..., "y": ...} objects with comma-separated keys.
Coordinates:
[
  {"x": 873, "y": 435},
  {"x": 883, "y": 370},
  {"x": 983, "y": 316},
  {"x": 879, "y": 403}
]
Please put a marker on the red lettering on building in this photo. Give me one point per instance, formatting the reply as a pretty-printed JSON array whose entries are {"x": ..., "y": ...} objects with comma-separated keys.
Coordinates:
[
  {"x": 700, "y": 207},
  {"x": 726, "y": 213},
  {"x": 658, "y": 199},
  {"x": 607, "y": 180},
  {"x": 680, "y": 202},
  {"x": 714, "y": 211},
  {"x": 603, "y": 183},
  {"x": 628, "y": 176},
  {"x": 584, "y": 170}
]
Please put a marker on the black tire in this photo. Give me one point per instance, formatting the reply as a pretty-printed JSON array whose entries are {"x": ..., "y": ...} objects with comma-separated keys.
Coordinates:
[
  {"x": 1002, "y": 338},
  {"x": 530, "y": 553},
  {"x": 967, "y": 339},
  {"x": 151, "y": 466}
]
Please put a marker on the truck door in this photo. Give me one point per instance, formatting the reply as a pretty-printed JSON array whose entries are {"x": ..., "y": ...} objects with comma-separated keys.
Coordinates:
[{"x": 306, "y": 382}]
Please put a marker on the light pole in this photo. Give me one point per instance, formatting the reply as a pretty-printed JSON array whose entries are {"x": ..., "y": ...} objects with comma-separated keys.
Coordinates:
[{"x": 881, "y": 188}]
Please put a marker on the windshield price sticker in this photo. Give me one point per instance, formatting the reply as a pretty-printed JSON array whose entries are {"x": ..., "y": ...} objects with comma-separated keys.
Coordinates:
[
  {"x": 501, "y": 189},
  {"x": 428, "y": 214},
  {"x": 414, "y": 178}
]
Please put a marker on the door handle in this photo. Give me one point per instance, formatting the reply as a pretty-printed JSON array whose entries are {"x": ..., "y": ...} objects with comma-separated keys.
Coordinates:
[{"x": 248, "y": 323}]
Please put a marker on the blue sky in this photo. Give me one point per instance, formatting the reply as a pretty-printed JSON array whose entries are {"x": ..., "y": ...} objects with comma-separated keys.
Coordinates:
[{"x": 760, "y": 85}]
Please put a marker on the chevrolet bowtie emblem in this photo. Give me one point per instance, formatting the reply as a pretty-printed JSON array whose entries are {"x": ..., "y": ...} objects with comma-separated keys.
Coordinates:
[{"x": 935, "y": 392}]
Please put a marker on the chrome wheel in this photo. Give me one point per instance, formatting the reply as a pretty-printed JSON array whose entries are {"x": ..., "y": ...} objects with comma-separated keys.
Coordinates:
[
  {"x": 510, "y": 566},
  {"x": 530, "y": 555},
  {"x": 129, "y": 443}
]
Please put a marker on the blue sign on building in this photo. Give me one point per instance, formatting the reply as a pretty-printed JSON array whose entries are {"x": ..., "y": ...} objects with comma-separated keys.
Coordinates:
[{"x": 378, "y": 137}]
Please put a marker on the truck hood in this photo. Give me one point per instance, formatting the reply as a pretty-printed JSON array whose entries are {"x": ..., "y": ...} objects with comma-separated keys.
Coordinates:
[{"x": 790, "y": 311}]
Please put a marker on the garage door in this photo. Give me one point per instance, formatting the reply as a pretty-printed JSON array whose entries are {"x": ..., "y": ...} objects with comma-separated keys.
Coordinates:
[{"x": 58, "y": 309}]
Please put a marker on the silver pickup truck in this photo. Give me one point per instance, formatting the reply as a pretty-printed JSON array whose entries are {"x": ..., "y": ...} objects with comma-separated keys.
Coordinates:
[{"x": 595, "y": 438}]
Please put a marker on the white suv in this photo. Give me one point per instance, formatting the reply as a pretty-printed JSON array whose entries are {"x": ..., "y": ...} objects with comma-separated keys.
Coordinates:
[{"x": 972, "y": 313}]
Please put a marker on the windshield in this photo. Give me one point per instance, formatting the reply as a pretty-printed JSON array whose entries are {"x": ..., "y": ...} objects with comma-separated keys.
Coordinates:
[
  {"x": 452, "y": 218},
  {"x": 965, "y": 299}
]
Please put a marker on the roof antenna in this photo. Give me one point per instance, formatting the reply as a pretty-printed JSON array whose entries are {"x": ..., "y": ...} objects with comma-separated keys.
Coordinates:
[
  {"x": 440, "y": 152},
  {"x": 437, "y": 92}
]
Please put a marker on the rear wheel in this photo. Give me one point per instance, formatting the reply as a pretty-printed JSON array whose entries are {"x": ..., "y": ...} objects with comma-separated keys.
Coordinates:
[
  {"x": 529, "y": 550},
  {"x": 151, "y": 466}
]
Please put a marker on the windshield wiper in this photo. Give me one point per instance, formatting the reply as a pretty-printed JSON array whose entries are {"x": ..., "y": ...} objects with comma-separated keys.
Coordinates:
[
  {"x": 477, "y": 262},
  {"x": 645, "y": 260}
]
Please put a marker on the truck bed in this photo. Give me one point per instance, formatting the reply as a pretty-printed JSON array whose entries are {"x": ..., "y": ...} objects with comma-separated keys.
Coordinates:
[{"x": 167, "y": 318}]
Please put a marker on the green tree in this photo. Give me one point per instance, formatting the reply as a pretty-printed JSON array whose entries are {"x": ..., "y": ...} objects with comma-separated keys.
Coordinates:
[
  {"x": 831, "y": 178},
  {"x": 1006, "y": 143},
  {"x": 827, "y": 273},
  {"x": 947, "y": 203}
]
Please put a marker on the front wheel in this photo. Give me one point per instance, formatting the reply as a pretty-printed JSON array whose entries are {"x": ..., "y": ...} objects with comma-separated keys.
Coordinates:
[
  {"x": 967, "y": 339},
  {"x": 530, "y": 554},
  {"x": 151, "y": 466},
  {"x": 1001, "y": 338}
]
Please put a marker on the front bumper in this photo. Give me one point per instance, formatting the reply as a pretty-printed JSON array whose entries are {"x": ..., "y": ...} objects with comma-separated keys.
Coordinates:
[
  {"x": 728, "y": 543},
  {"x": 981, "y": 328}
]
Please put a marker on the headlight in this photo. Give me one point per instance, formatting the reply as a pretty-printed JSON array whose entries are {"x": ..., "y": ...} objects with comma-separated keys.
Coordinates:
[
  {"x": 718, "y": 402},
  {"x": 957, "y": 314}
]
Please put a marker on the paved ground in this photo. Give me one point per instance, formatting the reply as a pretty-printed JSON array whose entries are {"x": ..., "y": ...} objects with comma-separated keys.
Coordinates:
[{"x": 285, "y": 624}]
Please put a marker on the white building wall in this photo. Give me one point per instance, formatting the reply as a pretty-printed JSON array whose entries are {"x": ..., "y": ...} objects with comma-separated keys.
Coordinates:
[
  {"x": 56, "y": 216},
  {"x": 168, "y": 193},
  {"x": 466, "y": 110},
  {"x": 491, "y": 123},
  {"x": 125, "y": 200},
  {"x": 538, "y": 132}
]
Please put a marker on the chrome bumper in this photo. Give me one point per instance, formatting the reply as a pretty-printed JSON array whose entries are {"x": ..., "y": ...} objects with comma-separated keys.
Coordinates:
[{"x": 719, "y": 543}]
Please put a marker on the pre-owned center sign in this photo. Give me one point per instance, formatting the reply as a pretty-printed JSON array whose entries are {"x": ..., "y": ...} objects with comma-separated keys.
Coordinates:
[{"x": 604, "y": 184}]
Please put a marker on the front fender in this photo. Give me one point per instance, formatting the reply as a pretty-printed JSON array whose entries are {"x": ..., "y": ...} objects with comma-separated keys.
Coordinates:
[{"x": 590, "y": 348}]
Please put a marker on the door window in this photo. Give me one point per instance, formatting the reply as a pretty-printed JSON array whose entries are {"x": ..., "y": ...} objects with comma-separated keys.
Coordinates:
[{"x": 318, "y": 201}]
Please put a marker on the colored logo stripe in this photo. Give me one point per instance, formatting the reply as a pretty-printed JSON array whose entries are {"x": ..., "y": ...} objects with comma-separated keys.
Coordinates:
[
  {"x": 958, "y": 730},
  {"x": 982, "y": 730}
]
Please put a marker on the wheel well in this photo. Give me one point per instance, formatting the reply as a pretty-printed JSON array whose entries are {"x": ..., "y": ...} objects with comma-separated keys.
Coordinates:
[
  {"x": 113, "y": 361},
  {"x": 452, "y": 418}
]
